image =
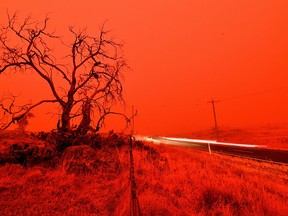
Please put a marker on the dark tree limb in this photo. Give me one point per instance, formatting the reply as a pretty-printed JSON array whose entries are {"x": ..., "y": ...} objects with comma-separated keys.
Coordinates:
[
  {"x": 92, "y": 66},
  {"x": 17, "y": 115}
]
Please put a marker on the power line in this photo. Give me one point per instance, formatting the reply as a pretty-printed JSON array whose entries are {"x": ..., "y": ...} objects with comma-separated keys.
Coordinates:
[
  {"x": 201, "y": 102},
  {"x": 251, "y": 94}
]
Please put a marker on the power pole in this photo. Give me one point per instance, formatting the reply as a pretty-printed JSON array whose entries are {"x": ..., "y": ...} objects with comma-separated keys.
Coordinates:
[{"x": 215, "y": 119}]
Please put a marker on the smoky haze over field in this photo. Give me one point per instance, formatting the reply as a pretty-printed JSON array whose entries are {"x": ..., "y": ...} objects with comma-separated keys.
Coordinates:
[{"x": 182, "y": 56}]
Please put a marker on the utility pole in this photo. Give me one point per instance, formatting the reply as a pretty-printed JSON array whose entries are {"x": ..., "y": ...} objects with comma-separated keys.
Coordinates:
[{"x": 214, "y": 112}]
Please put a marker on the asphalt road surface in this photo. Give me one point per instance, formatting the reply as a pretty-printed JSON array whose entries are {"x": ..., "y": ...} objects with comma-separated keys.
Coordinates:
[{"x": 258, "y": 152}]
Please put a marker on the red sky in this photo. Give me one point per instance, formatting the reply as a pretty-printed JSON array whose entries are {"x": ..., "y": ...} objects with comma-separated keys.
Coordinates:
[{"x": 182, "y": 54}]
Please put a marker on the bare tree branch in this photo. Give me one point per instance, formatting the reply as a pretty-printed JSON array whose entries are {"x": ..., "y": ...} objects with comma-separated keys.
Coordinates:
[
  {"x": 92, "y": 69},
  {"x": 102, "y": 118},
  {"x": 17, "y": 115}
]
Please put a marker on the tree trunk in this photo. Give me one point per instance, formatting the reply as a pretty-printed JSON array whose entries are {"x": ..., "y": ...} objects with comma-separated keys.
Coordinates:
[
  {"x": 65, "y": 118},
  {"x": 84, "y": 125}
]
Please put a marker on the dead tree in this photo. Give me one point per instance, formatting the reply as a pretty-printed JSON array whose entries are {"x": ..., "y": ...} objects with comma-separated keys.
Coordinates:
[
  {"x": 90, "y": 67},
  {"x": 101, "y": 97}
]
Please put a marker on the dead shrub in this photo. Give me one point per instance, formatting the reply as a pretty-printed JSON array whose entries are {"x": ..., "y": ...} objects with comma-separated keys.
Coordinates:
[
  {"x": 85, "y": 160},
  {"x": 28, "y": 154},
  {"x": 215, "y": 200}
]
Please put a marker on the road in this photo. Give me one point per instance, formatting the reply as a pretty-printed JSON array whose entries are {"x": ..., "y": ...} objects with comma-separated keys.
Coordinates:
[{"x": 251, "y": 151}]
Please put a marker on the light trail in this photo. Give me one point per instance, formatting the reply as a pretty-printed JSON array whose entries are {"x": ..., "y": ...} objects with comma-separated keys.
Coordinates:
[
  {"x": 210, "y": 142},
  {"x": 190, "y": 140},
  {"x": 198, "y": 141},
  {"x": 249, "y": 151}
]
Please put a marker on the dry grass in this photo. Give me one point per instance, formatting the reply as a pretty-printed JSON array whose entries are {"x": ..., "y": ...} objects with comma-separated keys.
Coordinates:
[
  {"x": 47, "y": 191},
  {"x": 170, "y": 181},
  {"x": 195, "y": 183},
  {"x": 272, "y": 137}
]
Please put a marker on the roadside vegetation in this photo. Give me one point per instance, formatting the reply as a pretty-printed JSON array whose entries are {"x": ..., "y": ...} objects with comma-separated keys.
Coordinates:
[
  {"x": 93, "y": 179},
  {"x": 275, "y": 137}
]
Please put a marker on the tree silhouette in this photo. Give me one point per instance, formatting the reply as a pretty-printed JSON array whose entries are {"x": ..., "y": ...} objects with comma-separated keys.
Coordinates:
[
  {"x": 83, "y": 73},
  {"x": 23, "y": 122}
]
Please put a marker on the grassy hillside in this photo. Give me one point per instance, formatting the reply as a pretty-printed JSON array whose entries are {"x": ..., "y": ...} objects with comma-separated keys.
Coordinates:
[
  {"x": 272, "y": 137},
  {"x": 196, "y": 183},
  {"x": 170, "y": 181}
]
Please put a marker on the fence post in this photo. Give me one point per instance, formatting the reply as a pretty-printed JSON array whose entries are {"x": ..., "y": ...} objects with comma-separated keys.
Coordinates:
[
  {"x": 134, "y": 202},
  {"x": 209, "y": 148}
]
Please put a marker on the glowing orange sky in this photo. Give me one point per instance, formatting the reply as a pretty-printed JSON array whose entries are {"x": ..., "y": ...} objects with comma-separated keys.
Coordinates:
[{"x": 184, "y": 53}]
